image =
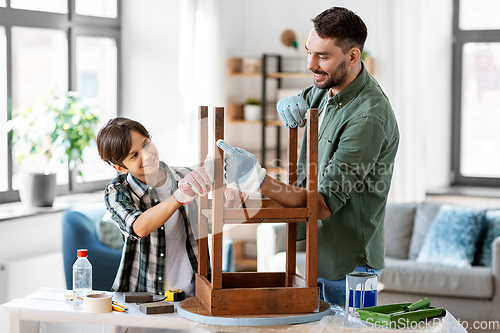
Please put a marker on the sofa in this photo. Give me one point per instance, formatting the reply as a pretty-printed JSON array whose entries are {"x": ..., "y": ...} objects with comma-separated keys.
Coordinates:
[{"x": 469, "y": 293}]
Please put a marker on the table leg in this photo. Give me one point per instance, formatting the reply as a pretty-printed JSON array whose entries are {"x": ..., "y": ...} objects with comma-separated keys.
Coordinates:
[{"x": 14, "y": 321}]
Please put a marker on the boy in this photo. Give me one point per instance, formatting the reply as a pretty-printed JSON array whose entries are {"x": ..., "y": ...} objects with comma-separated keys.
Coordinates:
[{"x": 147, "y": 202}]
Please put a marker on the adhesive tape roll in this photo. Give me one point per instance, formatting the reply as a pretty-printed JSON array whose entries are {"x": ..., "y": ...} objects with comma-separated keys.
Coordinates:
[{"x": 97, "y": 303}]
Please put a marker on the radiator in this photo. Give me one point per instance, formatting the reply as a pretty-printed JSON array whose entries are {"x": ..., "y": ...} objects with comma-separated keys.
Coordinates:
[{"x": 21, "y": 277}]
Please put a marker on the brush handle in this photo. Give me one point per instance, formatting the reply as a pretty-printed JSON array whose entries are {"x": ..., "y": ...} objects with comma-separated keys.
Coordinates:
[{"x": 423, "y": 303}]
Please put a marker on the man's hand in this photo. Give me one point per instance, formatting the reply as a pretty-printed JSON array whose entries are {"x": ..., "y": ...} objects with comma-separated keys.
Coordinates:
[
  {"x": 198, "y": 181},
  {"x": 234, "y": 198},
  {"x": 292, "y": 111},
  {"x": 243, "y": 172}
]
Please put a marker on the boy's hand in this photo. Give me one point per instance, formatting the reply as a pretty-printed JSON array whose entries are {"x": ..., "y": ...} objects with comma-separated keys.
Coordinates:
[
  {"x": 234, "y": 198},
  {"x": 198, "y": 181},
  {"x": 292, "y": 111},
  {"x": 243, "y": 172}
]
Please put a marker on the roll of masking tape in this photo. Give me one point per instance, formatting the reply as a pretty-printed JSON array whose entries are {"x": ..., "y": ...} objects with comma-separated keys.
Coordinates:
[{"x": 97, "y": 303}]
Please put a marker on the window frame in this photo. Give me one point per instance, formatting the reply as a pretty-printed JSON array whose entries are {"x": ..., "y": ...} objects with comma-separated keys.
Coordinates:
[
  {"x": 460, "y": 38},
  {"x": 74, "y": 25}
]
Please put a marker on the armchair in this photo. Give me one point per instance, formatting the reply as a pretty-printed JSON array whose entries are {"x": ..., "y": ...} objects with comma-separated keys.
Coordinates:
[{"x": 79, "y": 231}]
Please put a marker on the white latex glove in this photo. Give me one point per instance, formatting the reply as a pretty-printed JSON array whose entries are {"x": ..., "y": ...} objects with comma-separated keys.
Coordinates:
[
  {"x": 292, "y": 111},
  {"x": 234, "y": 197},
  {"x": 197, "y": 182},
  {"x": 243, "y": 172}
]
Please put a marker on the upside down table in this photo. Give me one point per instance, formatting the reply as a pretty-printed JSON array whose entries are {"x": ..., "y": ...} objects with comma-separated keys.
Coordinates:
[{"x": 46, "y": 311}]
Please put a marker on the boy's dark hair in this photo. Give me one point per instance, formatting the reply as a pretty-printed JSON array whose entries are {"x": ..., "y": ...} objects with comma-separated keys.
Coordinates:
[
  {"x": 113, "y": 140},
  {"x": 345, "y": 26}
]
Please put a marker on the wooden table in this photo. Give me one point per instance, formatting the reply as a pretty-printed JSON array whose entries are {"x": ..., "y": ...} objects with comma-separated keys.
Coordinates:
[{"x": 46, "y": 311}]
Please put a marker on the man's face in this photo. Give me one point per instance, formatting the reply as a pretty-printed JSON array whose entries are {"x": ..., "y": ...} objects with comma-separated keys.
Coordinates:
[
  {"x": 327, "y": 61},
  {"x": 142, "y": 160}
]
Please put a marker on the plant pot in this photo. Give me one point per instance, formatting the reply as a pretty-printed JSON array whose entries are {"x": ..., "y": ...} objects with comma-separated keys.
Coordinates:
[
  {"x": 252, "y": 112},
  {"x": 37, "y": 189}
]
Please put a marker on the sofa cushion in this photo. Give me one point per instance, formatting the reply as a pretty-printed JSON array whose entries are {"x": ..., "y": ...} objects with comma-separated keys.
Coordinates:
[
  {"x": 492, "y": 226},
  {"x": 398, "y": 227},
  {"x": 424, "y": 214},
  {"x": 278, "y": 263},
  {"x": 428, "y": 279},
  {"x": 453, "y": 236},
  {"x": 108, "y": 232}
]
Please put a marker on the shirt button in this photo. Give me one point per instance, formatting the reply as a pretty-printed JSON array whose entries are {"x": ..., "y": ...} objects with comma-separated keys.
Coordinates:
[
  {"x": 159, "y": 278},
  {"x": 156, "y": 200},
  {"x": 340, "y": 104},
  {"x": 162, "y": 254},
  {"x": 161, "y": 228}
]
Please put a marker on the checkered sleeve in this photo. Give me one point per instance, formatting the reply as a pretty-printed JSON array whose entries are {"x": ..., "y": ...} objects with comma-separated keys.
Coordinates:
[{"x": 122, "y": 208}]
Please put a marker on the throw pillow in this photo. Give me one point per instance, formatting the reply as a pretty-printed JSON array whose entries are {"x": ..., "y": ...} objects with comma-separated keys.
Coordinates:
[
  {"x": 108, "y": 233},
  {"x": 424, "y": 215},
  {"x": 452, "y": 236},
  {"x": 492, "y": 221}
]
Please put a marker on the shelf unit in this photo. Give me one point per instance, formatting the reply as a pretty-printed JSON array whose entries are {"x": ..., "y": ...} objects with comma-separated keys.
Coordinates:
[
  {"x": 278, "y": 74},
  {"x": 271, "y": 69}
]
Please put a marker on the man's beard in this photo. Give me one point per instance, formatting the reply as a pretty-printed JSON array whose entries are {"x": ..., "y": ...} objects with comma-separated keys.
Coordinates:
[{"x": 337, "y": 79}]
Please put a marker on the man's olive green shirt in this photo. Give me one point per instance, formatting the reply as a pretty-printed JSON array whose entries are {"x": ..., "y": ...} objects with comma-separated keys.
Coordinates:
[{"x": 357, "y": 144}]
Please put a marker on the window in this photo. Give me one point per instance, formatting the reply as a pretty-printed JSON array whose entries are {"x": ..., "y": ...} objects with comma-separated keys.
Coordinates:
[
  {"x": 4, "y": 162},
  {"x": 96, "y": 72},
  {"x": 43, "y": 50},
  {"x": 103, "y": 8},
  {"x": 476, "y": 93},
  {"x": 56, "y": 6}
]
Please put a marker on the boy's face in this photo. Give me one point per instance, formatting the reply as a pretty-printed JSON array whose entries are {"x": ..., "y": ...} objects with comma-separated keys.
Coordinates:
[{"x": 142, "y": 160}]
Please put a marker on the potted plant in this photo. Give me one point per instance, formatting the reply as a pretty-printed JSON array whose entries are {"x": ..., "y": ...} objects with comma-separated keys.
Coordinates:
[
  {"x": 252, "y": 109},
  {"x": 52, "y": 133}
]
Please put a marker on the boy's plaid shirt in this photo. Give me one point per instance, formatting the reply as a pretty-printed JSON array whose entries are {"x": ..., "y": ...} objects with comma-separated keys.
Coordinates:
[{"x": 142, "y": 266}]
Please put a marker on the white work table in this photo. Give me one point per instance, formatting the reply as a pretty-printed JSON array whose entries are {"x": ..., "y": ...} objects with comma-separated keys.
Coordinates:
[{"x": 46, "y": 311}]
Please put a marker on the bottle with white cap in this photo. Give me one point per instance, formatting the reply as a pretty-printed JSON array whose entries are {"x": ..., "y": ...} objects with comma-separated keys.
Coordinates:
[{"x": 82, "y": 278}]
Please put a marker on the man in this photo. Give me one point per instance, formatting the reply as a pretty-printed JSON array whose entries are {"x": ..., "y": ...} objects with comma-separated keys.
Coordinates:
[{"x": 358, "y": 141}]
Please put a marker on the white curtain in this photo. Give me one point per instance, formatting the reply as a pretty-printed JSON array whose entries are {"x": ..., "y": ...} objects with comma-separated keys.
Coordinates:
[
  {"x": 200, "y": 80},
  {"x": 413, "y": 64},
  {"x": 201, "y": 63}
]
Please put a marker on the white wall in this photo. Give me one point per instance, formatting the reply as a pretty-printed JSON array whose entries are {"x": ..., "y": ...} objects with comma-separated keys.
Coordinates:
[
  {"x": 252, "y": 27},
  {"x": 30, "y": 255}
]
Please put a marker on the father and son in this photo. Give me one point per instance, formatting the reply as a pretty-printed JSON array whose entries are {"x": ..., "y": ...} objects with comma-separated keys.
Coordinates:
[{"x": 153, "y": 204}]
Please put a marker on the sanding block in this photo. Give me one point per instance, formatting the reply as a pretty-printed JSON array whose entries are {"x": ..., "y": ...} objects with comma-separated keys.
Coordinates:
[
  {"x": 156, "y": 307},
  {"x": 174, "y": 295},
  {"x": 137, "y": 297}
]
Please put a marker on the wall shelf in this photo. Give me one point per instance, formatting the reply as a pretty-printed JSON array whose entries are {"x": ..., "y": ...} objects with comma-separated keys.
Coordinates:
[
  {"x": 289, "y": 75},
  {"x": 257, "y": 122},
  {"x": 245, "y": 74}
]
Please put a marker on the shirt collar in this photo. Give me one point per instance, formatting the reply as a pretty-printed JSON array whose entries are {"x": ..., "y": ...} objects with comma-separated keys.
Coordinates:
[
  {"x": 352, "y": 89},
  {"x": 140, "y": 188}
]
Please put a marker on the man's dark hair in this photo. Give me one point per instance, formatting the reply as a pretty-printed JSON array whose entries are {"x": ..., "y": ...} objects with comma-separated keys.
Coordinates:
[
  {"x": 346, "y": 27},
  {"x": 113, "y": 140}
]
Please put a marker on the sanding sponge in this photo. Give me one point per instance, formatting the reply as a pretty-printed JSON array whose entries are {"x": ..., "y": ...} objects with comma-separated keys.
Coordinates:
[
  {"x": 137, "y": 297},
  {"x": 156, "y": 307}
]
